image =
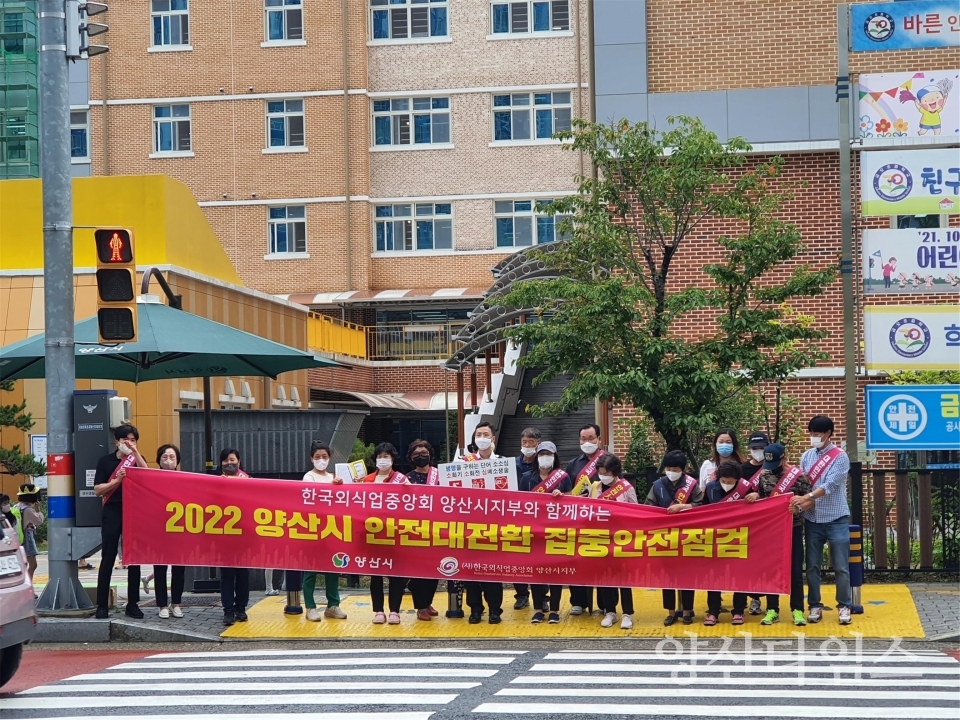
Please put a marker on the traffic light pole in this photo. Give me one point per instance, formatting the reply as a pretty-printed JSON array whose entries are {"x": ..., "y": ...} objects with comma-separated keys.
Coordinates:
[{"x": 63, "y": 594}]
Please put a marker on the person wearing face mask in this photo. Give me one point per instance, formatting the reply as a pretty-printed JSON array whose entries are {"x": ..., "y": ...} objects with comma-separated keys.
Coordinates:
[
  {"x": 676, "y": 492},
  {"x": 234, "y": 582},
  {"x": 30, "y": 518},
  {"x": 750, "y": 470},
  {"x": 168, "y": 458},
  {"x": 549, "y": 478},
  {"x": 526, "y": 462},
  {"x": 725, "y": 447},
  {"x": 108, "y": 486},
  {"x": 613, "y": 487},
  {"x": 8, "y": 512},
  {"x": 386, "y": 458},
  {"x": 583, "y": 471},
  {"x": 826, "y": 517},
  {"x": 423, "y": 590},
  {"x": 482, "y": 446},
  {"x": 320, "y": 473}
]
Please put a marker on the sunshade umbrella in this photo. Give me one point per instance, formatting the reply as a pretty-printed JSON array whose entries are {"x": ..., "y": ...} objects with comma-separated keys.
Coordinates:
[{"x": 170, "y": 344}]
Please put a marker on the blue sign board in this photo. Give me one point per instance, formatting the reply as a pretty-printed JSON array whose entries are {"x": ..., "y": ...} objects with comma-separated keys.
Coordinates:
[
  {"x": 913, "y": 417},
  {"x": 904, "y": 25}
]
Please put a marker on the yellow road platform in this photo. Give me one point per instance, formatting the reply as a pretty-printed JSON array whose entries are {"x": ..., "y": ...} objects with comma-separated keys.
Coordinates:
[{"x": 889, "y": 611}]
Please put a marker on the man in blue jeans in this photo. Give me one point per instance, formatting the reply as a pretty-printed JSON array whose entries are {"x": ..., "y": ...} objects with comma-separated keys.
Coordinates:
[{"x": 827, "y": 516}]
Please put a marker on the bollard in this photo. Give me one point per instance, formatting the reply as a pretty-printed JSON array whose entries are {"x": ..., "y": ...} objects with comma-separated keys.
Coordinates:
[
  {"x": 293, "y": 579},
  {"x": 856, "y": 568},
  {"x": 454, "y": 599}
]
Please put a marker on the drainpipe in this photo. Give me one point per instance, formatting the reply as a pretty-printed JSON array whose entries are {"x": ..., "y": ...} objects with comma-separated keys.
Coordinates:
[{"x": 346, "y": 138}]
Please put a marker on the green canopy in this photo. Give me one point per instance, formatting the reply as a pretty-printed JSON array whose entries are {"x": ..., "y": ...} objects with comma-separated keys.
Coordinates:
[{"x": 170, "y": 344}]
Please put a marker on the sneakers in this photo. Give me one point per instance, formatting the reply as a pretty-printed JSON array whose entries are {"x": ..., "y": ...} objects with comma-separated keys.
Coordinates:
[
  {"x": 710, "y": 620},
  {"x": 554, "y": 618},
  {"x": 334, "y": 613},
  {"x": 687, "y": 619},
  {"x": 102, "y": 613},
  {"x": 770, "y": 618},
  {"x": 314, "y": 615},
  {"x": 521, "y": 603},
  {"x": 241, "y": 615},
  {"x": 737, "y": 619},
  {"x": 164, "y": 613},
  {"x": 379, "y": 618},
  {"x": 844, "y": 616},
  {"x": 815, "y": 615},
  {"x": 626, "y": 623},
  {"x": 133, "y": 610},
  {"x": 271, "y": 592},
  {"x": 177, "y": 612},
  {"x": 424, "y": 615},
  {"x": 393, "y": 619},
  {"x": 608, "y": 620},
  {"x": 537, "y": 618},
  {"x": 576, "y": 610},
  {"x": 755, "y": 608},
  {"x": 798, "y": 618},
  {"x": 229, "y": 618}
]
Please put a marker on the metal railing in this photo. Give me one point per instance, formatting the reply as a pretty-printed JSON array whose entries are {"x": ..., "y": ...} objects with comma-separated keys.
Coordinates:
[
  {"x": 412, "y": 342},
  {"x": 326, "y": 334}
]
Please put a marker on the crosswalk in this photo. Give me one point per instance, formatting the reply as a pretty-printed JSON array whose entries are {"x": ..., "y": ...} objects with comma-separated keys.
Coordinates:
[{"x": 869, "y": 685}]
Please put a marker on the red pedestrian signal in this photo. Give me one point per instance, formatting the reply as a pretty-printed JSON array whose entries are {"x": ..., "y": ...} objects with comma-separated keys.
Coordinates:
[
  {"x": 113, "y": 246},
  {"x": 116, "y": 278}
]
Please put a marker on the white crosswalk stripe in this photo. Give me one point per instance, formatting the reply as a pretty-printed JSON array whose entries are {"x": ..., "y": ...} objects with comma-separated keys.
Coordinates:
[{"x": 735, "y": 684}]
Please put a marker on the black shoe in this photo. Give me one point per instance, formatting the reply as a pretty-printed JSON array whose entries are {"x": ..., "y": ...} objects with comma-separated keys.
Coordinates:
[
  {"x": 521, "y": 603},
  {"x": 688, "y": 619},
  {"x": 554, "y": 618},
  {"x": 537, "y": 618},
  {"x": 133, "y": 610},
  {"x": 102, "y": 613},
  {"x": 240, "y": 615},
  {"x": 475, "y": 618},
  {"x": 494, "y": 619},
  {"x": 229, "y": 618},
  {"x": 669, "y": 620}
]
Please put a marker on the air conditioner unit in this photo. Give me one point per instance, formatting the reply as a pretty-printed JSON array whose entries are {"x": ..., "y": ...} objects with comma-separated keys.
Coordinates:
[{"x": 121, "y": 410}]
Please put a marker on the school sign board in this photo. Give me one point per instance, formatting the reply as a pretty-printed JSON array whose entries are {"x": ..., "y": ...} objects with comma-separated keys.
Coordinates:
[
  {"x": 913, "y": 261},
  {"x": 912, "y": 337},
  {"x": 904, "y": 25},
  {"x": 910, "y": 182},
  {"x": 912, "y": 104},
  {"x": 913, "y": 417}
]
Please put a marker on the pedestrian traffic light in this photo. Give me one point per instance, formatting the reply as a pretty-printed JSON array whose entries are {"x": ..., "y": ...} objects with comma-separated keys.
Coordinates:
[
  {"x": 116, "y": 275},
  {"x": 80, "y": 29}
]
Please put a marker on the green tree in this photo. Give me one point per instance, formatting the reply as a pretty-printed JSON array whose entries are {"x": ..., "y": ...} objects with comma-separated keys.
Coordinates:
[
  {"x": 362, "y": 452},
  {"x": 12, "y": 460},
  {"x": 611, "y": 317}
]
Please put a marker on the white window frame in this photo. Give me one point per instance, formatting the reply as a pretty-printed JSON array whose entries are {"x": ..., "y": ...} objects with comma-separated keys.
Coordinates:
[
  {"x": 531, "y": 109},
  {"x": 85, "y": 126},
  {"x": 290, "y": 222},
  {"x": 176, "y": 121},
  {"x": 394, "y": 7},
  {"x": 512, "y": 6},
  {"x": 417, "y": 213},
  {"x": 286, "y": 115},
  {"x": 285, "y": 8},
  {"x": 535, "y": 214},
  {"x": 179, "y": 15},
  {"x": 411, "y": 112}
]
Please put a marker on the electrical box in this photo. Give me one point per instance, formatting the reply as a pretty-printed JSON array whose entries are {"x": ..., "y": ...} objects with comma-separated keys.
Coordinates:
[
  {"x": 92, "y": 439},
  {"x": 120, "y": 411}
]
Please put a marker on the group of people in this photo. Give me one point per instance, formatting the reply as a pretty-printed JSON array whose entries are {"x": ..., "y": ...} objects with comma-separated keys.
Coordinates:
[{"x": 818, "y": 505}]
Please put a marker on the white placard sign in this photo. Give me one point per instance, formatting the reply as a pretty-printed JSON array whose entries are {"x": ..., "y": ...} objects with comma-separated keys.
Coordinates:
[
  {"x": 912, "y": 337},
  {"x": 351, "y": 472},
  {"x": 498, "y": 474},
  {"x": 911, "y": 261},
  {"x": 38, "y": 448}
]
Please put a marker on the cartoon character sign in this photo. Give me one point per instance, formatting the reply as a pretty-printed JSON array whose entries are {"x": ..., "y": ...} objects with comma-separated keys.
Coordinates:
[{"x": 929, "y": 101}]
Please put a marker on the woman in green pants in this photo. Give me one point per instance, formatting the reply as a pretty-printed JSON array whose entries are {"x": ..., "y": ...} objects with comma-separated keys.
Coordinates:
[{"x": 320, "y": 456}]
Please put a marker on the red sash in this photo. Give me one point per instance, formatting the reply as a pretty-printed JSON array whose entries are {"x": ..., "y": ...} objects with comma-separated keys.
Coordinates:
[
  {"x": 591, "y": 467},
  {"x": 127, "y": 462},
  {"x": 551, "y": 482},
  {"x": 615, "y": 490},
  {"x": 788, "y": 480},
  {"x": 472, "y": 457},
  {"x": 685, "y": 491},
  {"x": 394, "y": 477},
  {"x": 241, "y": 474},
  {"x": 743, "y": 488},
  {"x": 820, "y": 467},
  {"x": 433, "y": 477}
]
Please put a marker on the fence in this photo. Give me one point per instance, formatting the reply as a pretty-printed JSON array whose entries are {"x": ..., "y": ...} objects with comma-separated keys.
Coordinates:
[
  {"x": 412, "y": 342},
  {"x": 910, "y": 519}
]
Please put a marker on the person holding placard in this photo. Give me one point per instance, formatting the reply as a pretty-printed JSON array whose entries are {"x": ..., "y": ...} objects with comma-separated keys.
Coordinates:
[{"x": 583, "y": 472}]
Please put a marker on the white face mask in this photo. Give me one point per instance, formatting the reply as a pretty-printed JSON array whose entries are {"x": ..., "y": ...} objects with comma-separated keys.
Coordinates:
[
  {"x": 483, "y": 443},
  {"x": 384, "y": 463},
  {"x": 727, "y": 487},
  {"x": 673, "y": 475},
  {"x": 606, "y": 479},
  {"x": 124, "y": 449},
  {"x": 588, "y": 448},
  {"x": 816, "y": 442},
  {"x": 321, "y": 464},
  {"x": 168, "y": 463},
  {"x": 528, "y": 452},
  {"x": 757, "y": 455},
  {"x": 545, "y": 461}
]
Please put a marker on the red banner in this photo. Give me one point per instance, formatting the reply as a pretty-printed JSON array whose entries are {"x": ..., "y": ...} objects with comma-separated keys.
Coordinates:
[{"x": 175, "y": 518}]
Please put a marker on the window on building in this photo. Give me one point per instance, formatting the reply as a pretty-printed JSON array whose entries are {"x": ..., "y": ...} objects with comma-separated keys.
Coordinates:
[
  {"x": 79, "y": 134},
  {"x": 285, "y": 123},
  {"x": 13, "y": 126},
  {"x": 529, "y": 116},
  {"x": 171, "y": 128},
  {"x": 521, "y": 223},
  {"x": 288, "y": 229},
  {"x": 284, "y": 19},
  {"x": 13, "y": 31},
  {"x": 920, "y": 222},
  {"x": 408, "y": 19},
  {"x": 423, "y": 226},
  {"x": 171, "y": 22},
  {"x": 405, "y": 121},
  {"x": 528, "y": 16}
]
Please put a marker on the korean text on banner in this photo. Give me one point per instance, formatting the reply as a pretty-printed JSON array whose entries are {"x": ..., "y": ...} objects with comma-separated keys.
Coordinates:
[
  {"x": 174, "y": 518},
  {"x": 904, "y": 25},
  {"x": 910, "y": 182},
  {"x": 913, "y": 417},
  {"x": 911, "y": 337},
  {"x": 911, "y": 261},
  {"x": 921, "y": 104}
]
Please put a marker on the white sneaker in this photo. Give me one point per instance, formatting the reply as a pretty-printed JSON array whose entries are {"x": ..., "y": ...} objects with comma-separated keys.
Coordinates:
[
  {"x": 164, "y": 613},
  {"x": 608, "y": 620},
  {"x": 314, "y": 615},
  {"x": 576, "y": 610},
  {"x": 626, "y": 623},
  {"x": 815, "y": 614},
  {"x": 271, "y": 592},
  {"x": 844, "y": 615}
]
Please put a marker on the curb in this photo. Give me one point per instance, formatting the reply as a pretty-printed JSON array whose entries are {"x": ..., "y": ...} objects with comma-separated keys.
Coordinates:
[
  {"x": 126, "y": 631},
  {"x": 946, "y": 637},
  {"x": 69, "y": 630}
]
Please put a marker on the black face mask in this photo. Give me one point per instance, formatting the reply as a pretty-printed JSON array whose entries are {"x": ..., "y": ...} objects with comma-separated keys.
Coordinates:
[
  {"x": 421, "y": 461},
  {"x": 230, "y": 468}
]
